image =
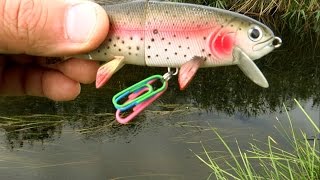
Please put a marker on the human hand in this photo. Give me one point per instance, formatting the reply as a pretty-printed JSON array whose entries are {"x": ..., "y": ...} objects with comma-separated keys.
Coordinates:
[{"x": 34, "y": 29}]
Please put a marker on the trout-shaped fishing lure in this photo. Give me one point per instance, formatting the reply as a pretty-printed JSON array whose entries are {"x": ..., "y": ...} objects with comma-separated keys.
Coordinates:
[{"x": 180, "y": 35}]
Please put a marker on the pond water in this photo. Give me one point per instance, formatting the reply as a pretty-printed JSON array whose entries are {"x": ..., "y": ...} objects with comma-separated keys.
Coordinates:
[{"x": 42, "y": 139}]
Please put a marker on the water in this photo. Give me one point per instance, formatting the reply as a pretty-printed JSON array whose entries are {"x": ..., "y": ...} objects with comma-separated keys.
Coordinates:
[{"x": 41, "y": 139}]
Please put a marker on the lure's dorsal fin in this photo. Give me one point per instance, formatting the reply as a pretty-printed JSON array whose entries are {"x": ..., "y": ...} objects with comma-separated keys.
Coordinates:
[
  {"x": 188, "y": 71},
  {"x": 249, "y": 68},
  {"x": 107, "y": 70}
]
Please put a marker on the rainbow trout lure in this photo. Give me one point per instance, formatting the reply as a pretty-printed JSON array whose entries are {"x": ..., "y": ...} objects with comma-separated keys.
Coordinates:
[{"x": 177, "y": 35}]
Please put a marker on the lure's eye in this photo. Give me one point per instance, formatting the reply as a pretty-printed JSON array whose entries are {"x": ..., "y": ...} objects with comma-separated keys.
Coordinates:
[{"x": 255, "y": 33}]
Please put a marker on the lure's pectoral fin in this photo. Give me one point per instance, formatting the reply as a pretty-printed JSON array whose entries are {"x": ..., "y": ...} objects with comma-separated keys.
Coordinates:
[
  {"x": 188, "y": 71},
  {"x": 107, "y": 70},
  {"x": 249, "y": 68}
]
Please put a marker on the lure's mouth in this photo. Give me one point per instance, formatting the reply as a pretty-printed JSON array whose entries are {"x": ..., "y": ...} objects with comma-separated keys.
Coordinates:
[
  {"x": 271, "y": 43},
  {"x": 277, "y": 42}
]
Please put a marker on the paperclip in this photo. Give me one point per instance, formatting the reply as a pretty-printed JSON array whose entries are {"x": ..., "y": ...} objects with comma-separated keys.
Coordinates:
[
  {"x": 140, "y": 107},
  {"x": 148, "y": 92}
]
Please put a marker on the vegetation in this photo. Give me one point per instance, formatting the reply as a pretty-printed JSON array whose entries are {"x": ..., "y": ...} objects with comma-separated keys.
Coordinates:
[
  {"x": 298, "y": 15},
  {"x": 271, "y": 161}
]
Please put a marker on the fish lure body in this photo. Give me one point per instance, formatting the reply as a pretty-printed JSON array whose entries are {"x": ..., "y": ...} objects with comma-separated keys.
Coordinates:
[{"x": 186, "y": 36}]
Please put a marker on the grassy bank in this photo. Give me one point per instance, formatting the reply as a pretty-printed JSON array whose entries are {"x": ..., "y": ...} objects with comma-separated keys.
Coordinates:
[
  {"x": 269, "y": 160},
  {"x": 300, "y": 16}
]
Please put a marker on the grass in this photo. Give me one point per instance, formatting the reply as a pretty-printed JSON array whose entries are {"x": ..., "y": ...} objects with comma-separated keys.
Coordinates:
[
  {"x": 300, "y": 16},
  {"x": 269, "y": 160}
]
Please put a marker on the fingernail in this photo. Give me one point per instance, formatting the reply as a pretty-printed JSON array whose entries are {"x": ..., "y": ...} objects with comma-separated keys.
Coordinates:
[{"x": 81, "y": 21}]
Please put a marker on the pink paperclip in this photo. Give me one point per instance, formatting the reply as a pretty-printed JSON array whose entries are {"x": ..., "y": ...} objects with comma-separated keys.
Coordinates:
[{"x": 138, "y": 108}]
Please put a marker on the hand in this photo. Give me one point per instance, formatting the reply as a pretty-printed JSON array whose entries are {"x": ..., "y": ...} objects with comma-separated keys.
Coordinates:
[{"x": 34, "y": 29}]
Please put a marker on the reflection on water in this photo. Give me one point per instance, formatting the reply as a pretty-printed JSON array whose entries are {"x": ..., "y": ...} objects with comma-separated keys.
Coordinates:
[{"x": 80, "y": 139}]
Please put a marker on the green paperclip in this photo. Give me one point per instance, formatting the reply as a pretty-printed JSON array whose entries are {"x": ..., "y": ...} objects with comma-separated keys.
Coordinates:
[{"x": 135, "y": 88}]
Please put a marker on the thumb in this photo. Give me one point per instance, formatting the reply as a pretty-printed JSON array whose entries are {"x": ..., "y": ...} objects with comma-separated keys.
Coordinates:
[{"x": 51, "y": 28}]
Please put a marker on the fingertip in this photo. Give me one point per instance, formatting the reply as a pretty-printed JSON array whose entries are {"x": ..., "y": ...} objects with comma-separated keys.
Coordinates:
[
  {"x": 58, "y": 87},
  {"x": 83, "y": 71},
  {"x": 86, "y": 24},
  {"x": 101, "y": 30}
]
